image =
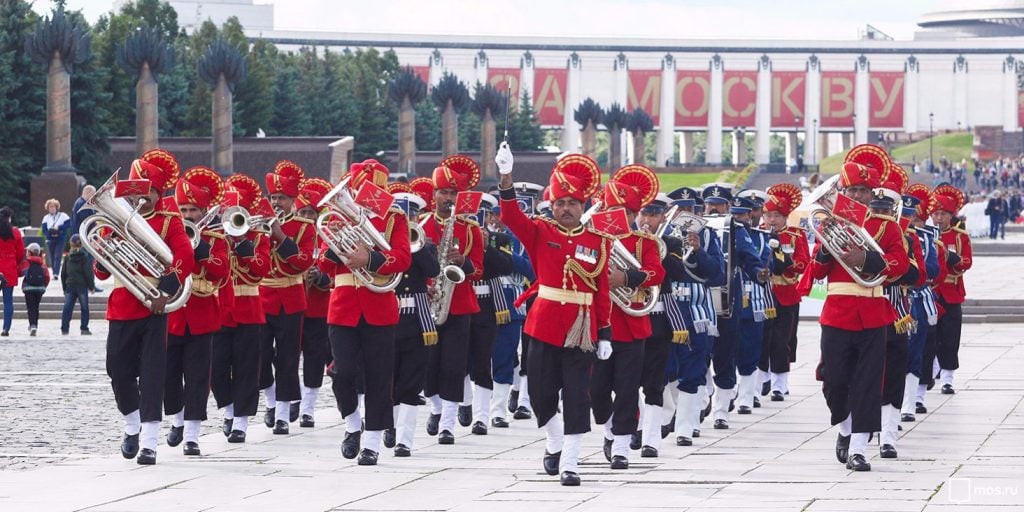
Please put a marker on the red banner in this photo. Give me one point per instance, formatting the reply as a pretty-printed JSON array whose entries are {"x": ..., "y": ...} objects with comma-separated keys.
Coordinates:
[
  {"x": 837, "y": 99},
  {"x": 644, "y": 92},
  {"x": 886, "y": 99},
  {"x": 550, "y": 87},
  {"x": 693, "y": 96},
  {"x": 1020, "y": 107},
  {"x": 789, "y": 89},
  {"x": 739, "y": 98},
  {"x": 423, "y": 72},
  {"x": 502, "y": 78}
]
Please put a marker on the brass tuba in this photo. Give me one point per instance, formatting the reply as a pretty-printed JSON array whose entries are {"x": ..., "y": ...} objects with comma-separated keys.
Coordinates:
[
  {"x": 443, "y": 287},
  {"x": 836, "y": 233},
  {"x": 124, "y": 243}
]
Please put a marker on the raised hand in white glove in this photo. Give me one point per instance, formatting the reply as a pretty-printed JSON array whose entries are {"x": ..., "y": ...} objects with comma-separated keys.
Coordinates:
[
  {"x": 504, "y": 159},
  {"x": 604, "y": 349}
]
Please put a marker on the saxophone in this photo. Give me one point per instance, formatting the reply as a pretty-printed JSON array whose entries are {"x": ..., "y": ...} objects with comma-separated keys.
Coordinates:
[{"x": 444, "y": 283}]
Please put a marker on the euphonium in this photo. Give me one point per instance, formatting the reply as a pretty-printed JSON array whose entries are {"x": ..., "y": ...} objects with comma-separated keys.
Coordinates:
[
  {"x": 123, "y": 242},
  {"x": 624, "y": 295},
  {"x": 838, "y": 234},
  {"x": 417, "y": 238},
  {"x": 443, "y": 286},
  {"x": 344, "y": 226},
  {"x": 660, "y": 232}
]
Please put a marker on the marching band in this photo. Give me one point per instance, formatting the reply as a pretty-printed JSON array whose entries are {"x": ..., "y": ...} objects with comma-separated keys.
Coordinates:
[{"x": 558, "y": 303}]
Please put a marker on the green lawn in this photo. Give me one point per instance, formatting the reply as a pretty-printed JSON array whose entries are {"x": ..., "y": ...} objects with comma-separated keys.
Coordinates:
[
  {"x": 672, "y": 181},
  {"x": 954, "y": 146}
]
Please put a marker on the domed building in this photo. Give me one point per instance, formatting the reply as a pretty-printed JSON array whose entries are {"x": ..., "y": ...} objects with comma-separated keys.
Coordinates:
[{"x": 974, "y": 18}]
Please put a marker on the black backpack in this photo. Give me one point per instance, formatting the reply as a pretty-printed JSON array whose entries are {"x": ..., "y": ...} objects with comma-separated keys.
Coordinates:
[{"x": 35, "y": 276}]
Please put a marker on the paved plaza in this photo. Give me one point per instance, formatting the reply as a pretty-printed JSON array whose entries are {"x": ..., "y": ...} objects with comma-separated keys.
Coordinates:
[{"x": 60, "y": 436}]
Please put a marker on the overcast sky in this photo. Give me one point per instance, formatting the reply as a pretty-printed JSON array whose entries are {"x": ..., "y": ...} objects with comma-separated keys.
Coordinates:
[{"x": 696, "y": 19}]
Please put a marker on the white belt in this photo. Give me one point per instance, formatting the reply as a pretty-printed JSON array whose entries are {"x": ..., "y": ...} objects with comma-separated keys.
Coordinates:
[
  {"x": 482, "y": 289},
  {"x": 407, "y": 302},
  {"x": 659, "y": 307}
]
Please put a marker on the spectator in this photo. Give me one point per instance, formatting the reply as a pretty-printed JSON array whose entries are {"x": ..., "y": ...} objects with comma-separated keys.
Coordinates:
[
  {"x": 1015, "y": 206},
  {"x": 12, "y": 254},
  {"x": 79, "y": 212},
  {"x": 996, "y": 210},
  {"x": 33, "y": 284},
  {"x": 55, "y": 226},
  {"x": 76, "y": 281}
]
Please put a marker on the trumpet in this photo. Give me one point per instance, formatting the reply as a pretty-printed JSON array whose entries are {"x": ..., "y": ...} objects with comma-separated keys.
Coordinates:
[
  {"x": 236, "y": 221},
  {"x": 838, "y": 234},
  {"x": 194, "y": 230}
]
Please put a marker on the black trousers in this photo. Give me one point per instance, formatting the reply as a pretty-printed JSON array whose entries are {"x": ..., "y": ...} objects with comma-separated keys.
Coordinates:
[
  {"x": 894, "y": 381},
  {"x": 483, "y": 330},
  {"x": 236, "y": 368},
  {"x": 446, "y": 361},
  {"x": 656, "y": 355},
  {"x": 928, "y": 357},
  {"x": 187, "y": 386},
  {"x": 136, "y": 364},
  {"x": 410, "y": 369},
  {"x": 619, "y": 374},
  {"x": 779, "y": 337},
  {"x": 364, "y": 354},
  {"x": 315, "y": 351},
  {"x": 947, "y": 335},
  {"x": 851, "y": 371},
  {"x": 524, "y": 352},
  {"x": 280, "y": 347},
  {"x": 32, "y": 300},
  {"x": 553, "y": 369},
  {"x": 723, "y": 350},
  {"x": 792, "y": 339}
]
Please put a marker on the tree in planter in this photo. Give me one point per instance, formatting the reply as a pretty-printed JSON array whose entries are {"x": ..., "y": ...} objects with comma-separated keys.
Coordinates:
[
  {"x": 451, "y": 97},
  {"x": 407, "y": 90},
  {"x": 589, "y": 115},
  {"x": 222, "y": 67},
  {"x": 615, "y": 119},
  {"x": 640, "y": 123},
  {"x": 523, "y": 132},
  {"x": 145, "y": 55},
  {"x": 488, "y": 102}
]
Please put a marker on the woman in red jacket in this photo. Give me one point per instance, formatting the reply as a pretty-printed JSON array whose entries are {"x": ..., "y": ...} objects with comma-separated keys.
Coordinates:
[{"x": 12, "y": 254}]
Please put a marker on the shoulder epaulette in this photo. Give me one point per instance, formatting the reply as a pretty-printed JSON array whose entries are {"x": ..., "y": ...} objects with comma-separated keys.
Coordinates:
[
  {"x": 302, "y": 219},
  {"x": 168, "y": 213},
  {"x": 961, "y": 231},
  {"x": 602, "y": 234},
  {"x": 396, "y": 210},
  {"x": 882, "y": 216},
  {"x": 469, "y": 220},
  {"x": 214, "y": 234},
  {"x": 644, "y": 234}
]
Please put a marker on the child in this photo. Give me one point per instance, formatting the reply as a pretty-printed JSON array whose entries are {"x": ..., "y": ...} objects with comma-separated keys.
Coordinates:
[
  {"x": 33, "y": 285},
  {"x": 76, "y": 280}
]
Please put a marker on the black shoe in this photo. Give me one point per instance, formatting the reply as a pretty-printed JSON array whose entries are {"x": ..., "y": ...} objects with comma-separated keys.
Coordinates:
[
  {"x": 570, "y": 479},
  {"x": 236, "y": 436},
  {"x": 907, "y": 417},
  {"x": 766, "y": 388},
  {"x": 648, "y": 452},
  {"x": 226, "y": 426},
  {"x": 350, "y": 445},
  {"x": 306, "y": 421},
  {"x": 777, "y": 397},
  {"x": 842, "y": 448},
  {"x": 367, "y": 458},
  {"x": 636, "y": 440},
  {"x": 551, "y": 461},
  {"x": 130, "y": 446},
  {"x": 757, "y": 403},
  {"x": 522, "y": 413},
  {"x": 402, "y": 450},
  {"x": 919, "y": 408},
  {"x": 293, "y": 411},
  {"x": 389, "y": 438},
  {"x": 683, "y": 441},
  {"x": 608, "y": 449},
  {"x": 191, "y": 448},
  {"x": 432, "y": 423},
  {"x": 696, "y": 432},
  {"x": 858, "y": 463},
  {"x": 268, "y": 418},
  {"x": 513, "y": 400},
  {"x": 65, "y": 333},
  {"x": 85, "y": 332},
  {"x": 281, "y": 427},
  {"x": 499, "y": 423},
  {"x": 721, "y": 425},
  {"x": 744, "y": 410},
  {"x": 465, "y": 415},
  {"x": 445, "y": 437},
  {"x": 671, "y": 425},
  {"x": 619, "y": 462},
  {"x": 887, "y": 451},
  {"x": 479, "y": 429},
  {"x": 947, "y": 389},
  {"x": 667, "y": 429},
  {"x": 175, "y": 436},
  {"x": 146, "y": 457}
]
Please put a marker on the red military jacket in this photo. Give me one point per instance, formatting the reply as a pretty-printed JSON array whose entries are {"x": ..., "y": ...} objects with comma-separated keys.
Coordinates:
[
  {"x": 317, "y": 300},
  {"x": 283, "y": 288},
  {"x": 850, "y": 306},
  {"x": 785, "y": 286},
  {"x": 630, "y": 328},
  {"x": 562, "y": 259},
  {"x": 918, "y": 261},
  {"x": 951, "y": 287},
  {"x": 122, "y": 305},
  {"x": 240, "y": 298},
  {"x": 471, "y": 241},
  {"x": 351, "y": 303},
  {"x": 201, "y": 314}
]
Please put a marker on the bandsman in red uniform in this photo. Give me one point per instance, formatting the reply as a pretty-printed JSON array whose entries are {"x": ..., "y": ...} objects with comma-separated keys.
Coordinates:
[
  {"x": 630, "y": 188},
  {"x": 316, "y": 349},
  {"x": 947, "y": 201},
  {"x": 447, "y": 362},
  {"x": 191, "y": 328},
  {"x": 854, "y": 317},
  {"x": 137, "y": 341},
  {"x": 236, "y": 347},
  {"x": 361, "y": 322},
  {"x": 571, "y": 315},
  {"x": 283, "y": 293}
]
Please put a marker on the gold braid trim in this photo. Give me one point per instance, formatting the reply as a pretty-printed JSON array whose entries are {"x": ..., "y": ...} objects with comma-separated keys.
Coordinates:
[{"x": 588, "y": 277}]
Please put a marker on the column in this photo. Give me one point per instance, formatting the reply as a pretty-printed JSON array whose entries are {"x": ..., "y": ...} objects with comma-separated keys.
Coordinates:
[
  {"x": 666, "y": 147},
  {"x": 714, "y": 149},
  {"x": 571, "y": 129},
  {"x": 480, "y": 65},
  {"x": 737, "y": 147},
  {"x": 621, "y": 96},
  {"x": 686, "y": 150},
  {"x": 526, "y": 66},
  {"x": 1010, "y": 95},
  {"x": 862, "y": 93},
  {"x": 812, "y": 111},
  {"x": 791, "y": 144},
  {"x": 911, "y": 71},
  {"x": 763, "y": 113},
  {"x": 436, "y": 67},
  {"x": 960, "y": 69}
]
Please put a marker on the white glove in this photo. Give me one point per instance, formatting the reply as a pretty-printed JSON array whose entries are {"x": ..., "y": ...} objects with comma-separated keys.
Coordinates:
[
  {"x": 604, "y": 350},
  {"x": 504, "y": 159}
]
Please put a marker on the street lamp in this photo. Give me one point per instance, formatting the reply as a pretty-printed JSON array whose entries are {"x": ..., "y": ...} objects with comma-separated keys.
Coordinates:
[{"x": 931, "y": 142}]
